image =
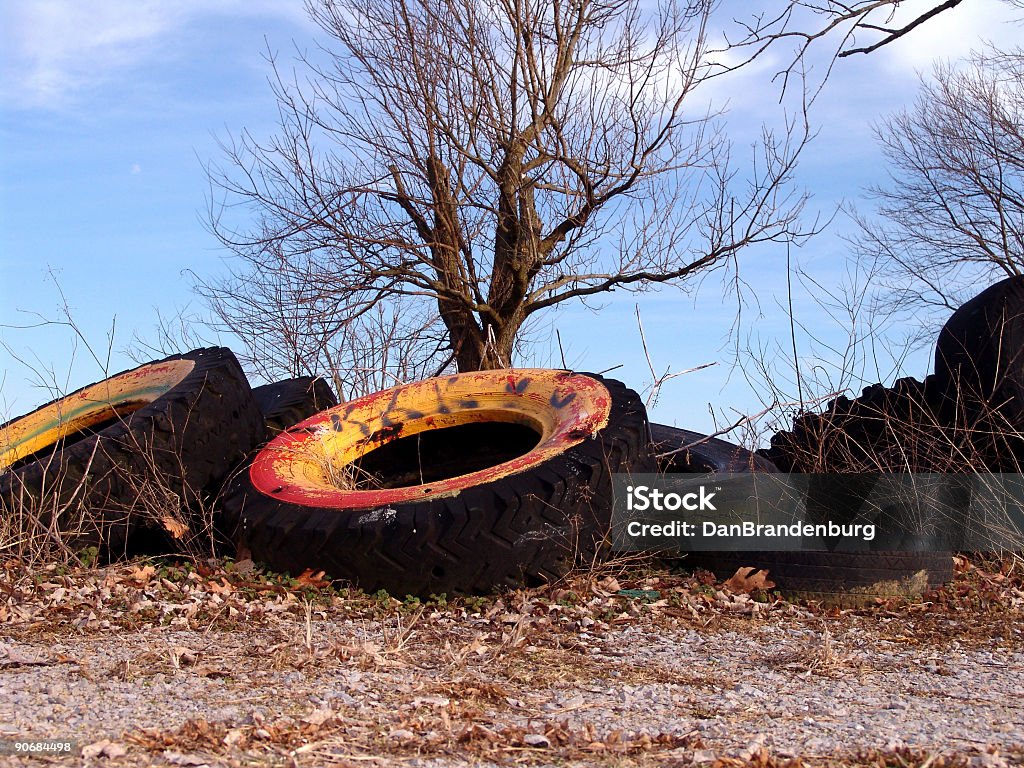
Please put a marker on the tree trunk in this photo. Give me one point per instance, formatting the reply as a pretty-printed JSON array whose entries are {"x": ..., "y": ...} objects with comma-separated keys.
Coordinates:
[
  {"x": 517, "y": 233},
  {"x": 453, "y": 302}
]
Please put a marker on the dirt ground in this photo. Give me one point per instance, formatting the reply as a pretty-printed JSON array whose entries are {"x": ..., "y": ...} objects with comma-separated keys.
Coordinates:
[{"x": 222, "y": 664}]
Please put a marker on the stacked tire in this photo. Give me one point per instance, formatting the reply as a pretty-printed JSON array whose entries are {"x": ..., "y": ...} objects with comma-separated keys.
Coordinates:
[
  {"x": 883, "y": 430},
  {"x": 967, "y": 416},
  {"x": 476, "y": 481},
  {"x": 843, "y": 578}
]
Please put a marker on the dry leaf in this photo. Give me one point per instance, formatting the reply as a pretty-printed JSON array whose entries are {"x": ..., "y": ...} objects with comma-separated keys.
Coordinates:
[
  {"x": 176, "y": 528},
  {"x": 104, "y": 748},
  {"x": 310, "y": 579},
  {"x": 177, "y": 758},
  {"x": 431, "y": 701},
  {"x": 219, "y": 589},
  {"x": 14, "y": 657},
  {"x": 609, "y": 585},
  {"x": 142, "y": 575},
  {"x": 748, "y": 579},
  {"x": 182, "y": 656},
  {"x": 318, "y": 716}
]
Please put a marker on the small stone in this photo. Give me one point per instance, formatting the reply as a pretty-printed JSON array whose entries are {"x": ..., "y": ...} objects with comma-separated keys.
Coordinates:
[
  {"x": 536, "y": 740},
  {"x": 988, "y": 760}
]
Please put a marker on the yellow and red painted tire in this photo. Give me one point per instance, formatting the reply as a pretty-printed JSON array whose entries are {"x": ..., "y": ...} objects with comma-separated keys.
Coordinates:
[
  {"x": 80, "y": 464},
  {"x": 490, "y": 517}
]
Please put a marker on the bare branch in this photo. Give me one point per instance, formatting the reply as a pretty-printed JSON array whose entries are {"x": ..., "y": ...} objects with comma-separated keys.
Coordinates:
[
  {"x": 953, "y": 210},
  {"x": 478, "y": 162}
]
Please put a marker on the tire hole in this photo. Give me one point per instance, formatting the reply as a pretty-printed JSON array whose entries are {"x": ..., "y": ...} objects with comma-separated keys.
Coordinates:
[{"x": 440, "y": 454}]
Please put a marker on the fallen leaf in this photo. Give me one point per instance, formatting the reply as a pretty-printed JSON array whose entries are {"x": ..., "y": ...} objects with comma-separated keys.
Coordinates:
[
  {"x": 431, "y": 701},
  {"x": 11, "y": 656},
  {"x": 609, "y": 585},
  {"x": 310, "y": 579},
  {"x": 234, "y": 736},
  {"x": 219, "y": 589},
  {"x": 104, "y": 748},
  {"x": 183, "y": 657},
  {"x": 318, "y": 716},
  {"x": 748, "y": 579},
  {"x": 176, "y": 758},
  {"x": 176, "y": 528}
]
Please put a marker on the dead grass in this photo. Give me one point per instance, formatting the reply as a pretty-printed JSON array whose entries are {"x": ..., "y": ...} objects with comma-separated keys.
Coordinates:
[
  {"x": 146, "y": 495},
  {"x": 912, "y": 428}
]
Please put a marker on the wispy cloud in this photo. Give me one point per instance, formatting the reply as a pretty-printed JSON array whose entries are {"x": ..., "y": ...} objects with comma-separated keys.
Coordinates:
[
  {"x": 951, "y": 35},
  {"x": 56, "y": 49}
]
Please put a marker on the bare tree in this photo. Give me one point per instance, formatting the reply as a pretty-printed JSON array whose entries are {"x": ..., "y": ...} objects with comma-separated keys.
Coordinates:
[
  {"x": 953, "y": 210},
  {"x": 486, "y": 161}
]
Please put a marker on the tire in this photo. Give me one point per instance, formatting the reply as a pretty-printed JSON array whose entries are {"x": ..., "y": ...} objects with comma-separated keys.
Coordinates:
[
  {"x": 980, "y": 349},
  {"x": 884, "y": 430},
  {"x": 492, "y": 508},
  {"x": 285, "y": 403},
  {"x": 709, "y": 455},
  {"x": 834, "y": 577},
  {"x": 979, "y": 367},
  {"x": 837, "y": 577},
  {"x": 137, "y": 450}
]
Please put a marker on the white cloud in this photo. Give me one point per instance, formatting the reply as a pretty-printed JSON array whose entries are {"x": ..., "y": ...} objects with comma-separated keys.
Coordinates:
[
  {"x": 952, "y": 34},
  {"x": 136, "y": 169},
  {"x": 53, "y": 49}
]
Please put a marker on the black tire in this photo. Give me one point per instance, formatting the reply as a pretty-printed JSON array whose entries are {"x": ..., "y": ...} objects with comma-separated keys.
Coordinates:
[
  {"x": 526, "y": 527},
  {"x": 285, "y": 403},
  {"x": 708, "y": 455},
  {"x": 885, "y": 429},
  {"x": 980, "y": 350},
  {"x": 837, "y": 576},
  {"x": 979, "y": 367},
  {"x": 155, "y": 441}
]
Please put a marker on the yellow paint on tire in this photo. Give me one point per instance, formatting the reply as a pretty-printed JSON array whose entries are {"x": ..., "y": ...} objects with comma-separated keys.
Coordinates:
[
  {"x": 303, "y": 464},
  {"x": 115, "y": 397}
]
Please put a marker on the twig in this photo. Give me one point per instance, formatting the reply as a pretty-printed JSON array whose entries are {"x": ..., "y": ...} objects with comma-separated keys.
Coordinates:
[
  {"x": 658, "y": 382},
  {"x": 741, "y": 422}
]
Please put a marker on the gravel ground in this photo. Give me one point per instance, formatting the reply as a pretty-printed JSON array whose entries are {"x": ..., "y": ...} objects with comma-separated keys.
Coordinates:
[{"x": 577, "y": 677}]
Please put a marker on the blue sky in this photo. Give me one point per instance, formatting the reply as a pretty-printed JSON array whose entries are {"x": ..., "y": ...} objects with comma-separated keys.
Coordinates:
[{"x": 108, "y": 111}]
